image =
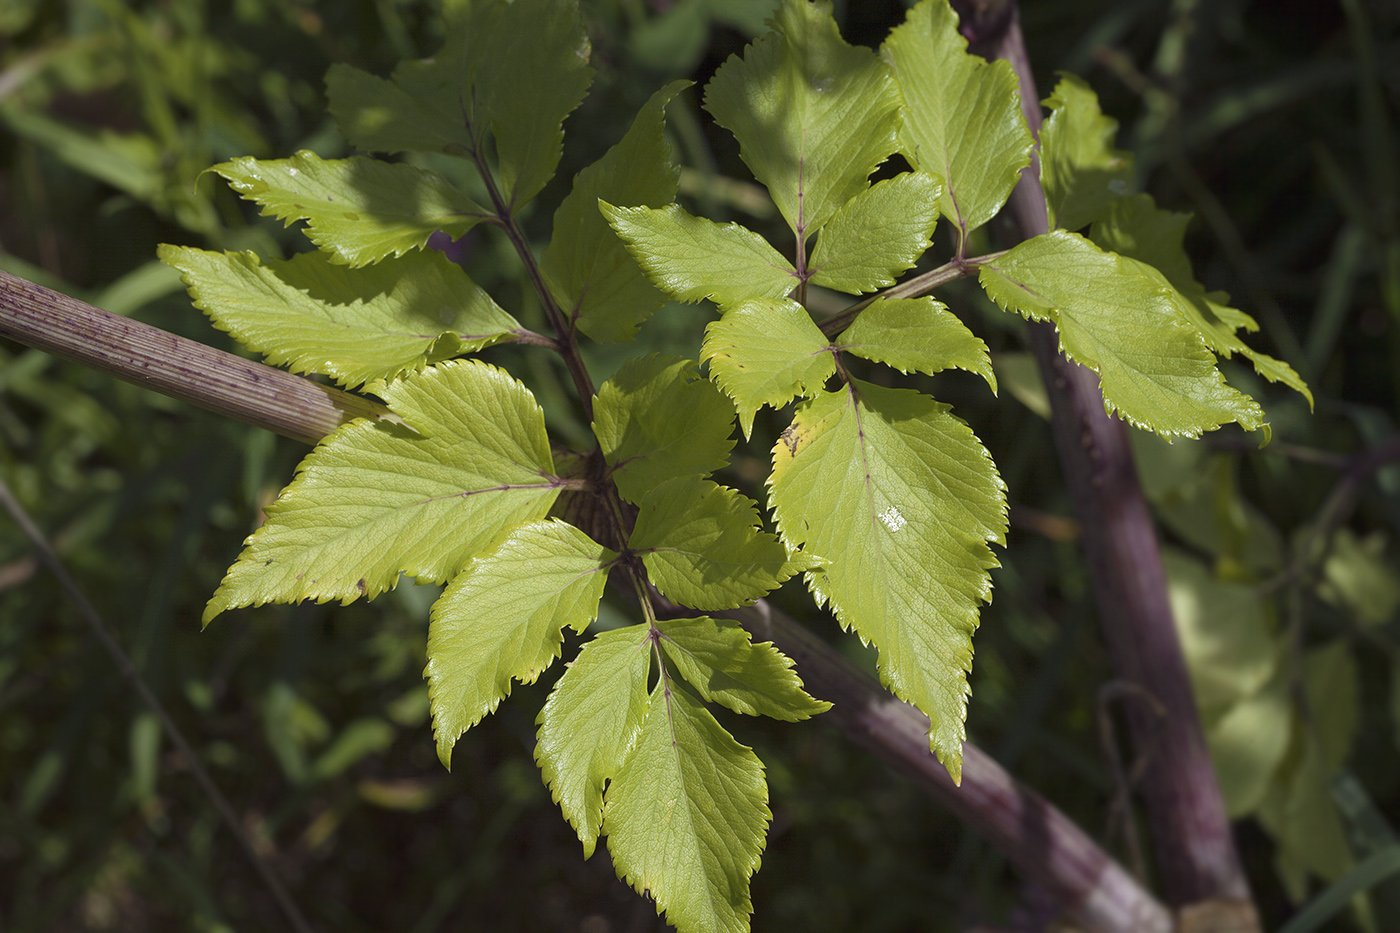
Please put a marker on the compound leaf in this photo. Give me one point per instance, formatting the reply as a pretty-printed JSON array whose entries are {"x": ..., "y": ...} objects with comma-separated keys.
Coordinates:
[
  {"x": 1136, "y": 228},
  {"x": 657, "y": 418},
  {"x": 375, "y": 499},
  {"x": 764, "y": 352},
  {"x": 702, "y": 547},
  {"x": 501, "y": 619},
  {"x": 691, "y": 259},
  {"x": 687, "y": 814},
  {"x": 591, "y": 722},
  {"x": 588, "y": 269},
  {"x": 878, "y": 234},
  {"x": 719, "y": 659},
  {"x": 813, "y": 115},
  {"x": 1081, "y": 172},
  {"x": 359, "y": 210},
  {"x": 1124, "y": 324},
  {"x": 916, "y": 335},
  {"x": 355, "y": 325},
  {"x": 900, "y": 499},
  {"x": 962, "y": 119}
]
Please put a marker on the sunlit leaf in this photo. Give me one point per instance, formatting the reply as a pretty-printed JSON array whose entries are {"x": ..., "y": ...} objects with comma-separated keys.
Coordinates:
[
  {"x": 719, "y": 659},
  {"x": 590, "y": 723},
  {"x": 501, "y": 619},
  {"x": 1153, "y": 367},
  {"x": 356, "y": 325},
  {"x": 588, "y": 269},
  {"x": 962, "y": 119},
  {"x": 1136, "y": 228},
  {"x": 658, "y": 418},
  {"x": 916, "y": 335},
  {"x": 702, "y": 547},
  {"x": 1081, "y": 172},
  {"x": 900, "y": 499},
  {"x": 687, "y": 814},
  {"x": 813, "y": 115},
  {"x": 691, "y": 259},
  {"x": 376, "y": 499},
  {"x": 765, "y": 352},
  {"x": 359, "y": 210},
  {"x": 877, "y": 234}
]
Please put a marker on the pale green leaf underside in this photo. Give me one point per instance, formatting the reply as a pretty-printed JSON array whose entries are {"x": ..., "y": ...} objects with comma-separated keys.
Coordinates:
[
  {"x": 687, "y": 815},
  {"x": 1081, "y": 172},
  {"x": 589, "y": 271},
  {"x": 878, "y": 234},
  {"x": 355, "y": 325},
  {"x": 691, "y": 259},
  {"x": 963, "y": 118},
  {"x": 501, "y": 619},
  {"x": 376, "y": 499},
  {"x": 917, "y": 335},
  {"x": 1153, "y": 366},
  {"x": 901, "y": 499},
  {"x": 359, "y": 210},
  {"x": 590, "y": 723},
  {"x": 658, "y": 418},
  {"x": 813, "y": 115},
  {"x": 765, "y": 352},
  {"x": 702, "y": 548},
  {"x": 719, "y": 659},
  {"x": 1135, "y": 227}
]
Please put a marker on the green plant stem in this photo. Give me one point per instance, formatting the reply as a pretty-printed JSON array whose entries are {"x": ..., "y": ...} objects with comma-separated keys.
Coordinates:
[
  {"x": 1196, "y": 857},
  {"x": 916, "y": 287},
  {"x": 1026, "y": 829},
  {"x": 155, "y": 359},
  {"x": 128, "y": 670}
]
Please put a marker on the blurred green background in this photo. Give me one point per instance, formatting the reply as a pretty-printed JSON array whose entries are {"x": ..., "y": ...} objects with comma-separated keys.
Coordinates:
[{"x": 1274, "y": 122}]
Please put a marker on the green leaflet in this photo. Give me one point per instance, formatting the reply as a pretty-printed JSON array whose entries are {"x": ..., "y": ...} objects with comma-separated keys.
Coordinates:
[
  {"x": 687, "y": 814},
  {"x": 501, "y": 619},
  {"x": 591, "y": 722},
  {"x": 962, "y": 117},
  {"x": 375, "y": 499},
  {"x": 359, "y": 210},
  {"x": 514, "y": 69},
  {"x": 1081, "y": 172},
  {"x": 657, "y": 418},
  {"x": 719, "y": 659},
  {"x": 916, "y": 335},
  {"x": 813, "y": 115},
  {"x": 764, "y": 352},
  {"x": 1136, "y": 228},
  {"x": 588, "y": 269},
  {"x": 878, "y": 234},
  {"x": 355, "y": 325},
  {"x": 691, "y": 259},
  {"x": 702, "y": 547},
  {"x": 1153, "y": 367},
  {"x": 900, "y": 498}
]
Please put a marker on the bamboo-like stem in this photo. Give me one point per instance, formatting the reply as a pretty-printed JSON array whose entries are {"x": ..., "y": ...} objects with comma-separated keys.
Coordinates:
[
  {"x": 156, "y": 359},
  {"x": 1031, "y": 833},
  {"x": 1196, "y": 857}
]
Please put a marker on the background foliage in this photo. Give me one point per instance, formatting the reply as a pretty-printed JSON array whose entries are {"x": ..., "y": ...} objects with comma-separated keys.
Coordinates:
[{"x": 1273, "y": 122}]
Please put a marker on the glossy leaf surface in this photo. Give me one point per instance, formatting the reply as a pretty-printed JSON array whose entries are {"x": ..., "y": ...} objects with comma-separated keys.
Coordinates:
[
  {"x": 687, "y": 814},
  {"x": 901, "y": 500},
  {"x": 962, "y": 117},
  {"x": 501, "y": 620},
  {"x": 376, "y": 499},
  {"x": 813, "y": 115},
  {"x": 359, "y": 210},
  {"x": 355, "y": 325}
]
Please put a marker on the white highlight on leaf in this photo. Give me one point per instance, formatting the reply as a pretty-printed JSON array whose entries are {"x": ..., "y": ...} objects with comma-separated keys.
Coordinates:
[
  {"x": 291, "y": 171},
  {"x": 1118, "y": 186},
  {"x": 892, "y": 518}
]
